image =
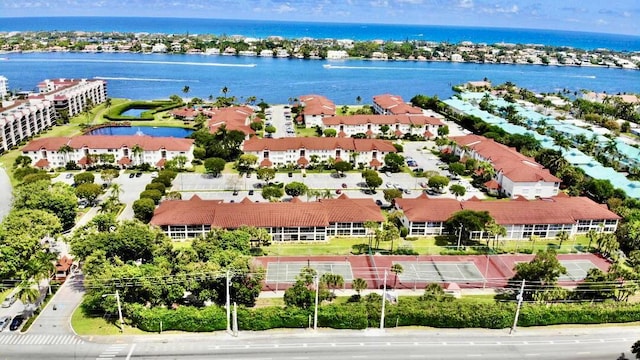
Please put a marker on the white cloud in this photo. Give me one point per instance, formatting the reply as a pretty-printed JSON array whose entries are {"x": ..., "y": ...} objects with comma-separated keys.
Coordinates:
[
  {"x": 285, "y": 8},
  {"x": 465, "y": 4},
  {"x": 601, "y": 22},
  {"x": 497, "y": 9},
  {"x": 379, "y": 3},
  {"x": 412, "y": 2}
]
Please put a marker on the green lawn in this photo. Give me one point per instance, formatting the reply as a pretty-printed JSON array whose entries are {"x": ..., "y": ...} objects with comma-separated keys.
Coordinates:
[
  {"x": 177, "y": 245},
  {"x": 306, "y": 132},
  {"x": 84, "y": 325}
]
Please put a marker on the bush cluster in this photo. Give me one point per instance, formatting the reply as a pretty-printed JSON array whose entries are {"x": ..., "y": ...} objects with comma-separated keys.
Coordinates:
[{"x": 407, "y": 312}]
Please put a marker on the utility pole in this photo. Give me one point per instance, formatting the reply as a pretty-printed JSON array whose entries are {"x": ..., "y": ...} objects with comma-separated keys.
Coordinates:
[
  {"x": 235, "y": 319},
  {"x": 520, "y": 297},
  {"x": 384, "y": 300},
  {"x": 315, "y": 311},
  {"x": 228, "y": 304},
  {"x": 460, "y": 236},
  {"x": 120, "y": 311}
]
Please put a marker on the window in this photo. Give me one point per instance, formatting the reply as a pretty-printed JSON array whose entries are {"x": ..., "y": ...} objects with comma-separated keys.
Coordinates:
[{"x": 265, "y": 154}]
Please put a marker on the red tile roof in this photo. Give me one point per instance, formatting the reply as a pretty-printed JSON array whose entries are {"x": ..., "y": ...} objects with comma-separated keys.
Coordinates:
[
  {"x": 42, "y": 163},
  {"x": 124, "y": 161},
  {"x": 511, "y": 163},
  {"x": 147, "y": 143},
  {"x": 266, "y": 163},
  {"x": 284, "y": 214},
  {"x": 381, "y": 120},
  {"x": 492, "y": 184},
  {"x": 317, "y": 143},
  {"x": 395, "y": 105},
  {"x": 161, "y": 162},
  {"x": 556, "y": 210},
  {"x": 234, "y": 118},
  {"x": 317, "y": 105}
]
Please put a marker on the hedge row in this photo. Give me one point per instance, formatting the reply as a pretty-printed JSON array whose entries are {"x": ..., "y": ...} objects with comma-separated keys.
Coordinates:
[
  {"x": 408, "y": 312},
  {"x": 115, "y": 112}
]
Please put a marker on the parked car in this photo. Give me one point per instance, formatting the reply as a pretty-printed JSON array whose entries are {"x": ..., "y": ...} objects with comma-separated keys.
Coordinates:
[
  {"x": 132, "y": 175},
  {"x": 250, "y": 192},
  {"x": 344, "y": 186},
  {"x": 8, "y": 301},
  {"x": 69, "y": 176},
  {"x": 154, "y": 174},
  {"x": 4, "y": 322},
  {"x": 379, "y": 202},
  {"x": 423, "y": 185},
  {"x": 338, "y": 191},
  {"x": 16, "y": 323},
  {"x": 138, "y": 174},
  {"x": 83, "y": 204},
  {"x": 235, "y": 192},
  {"x": 407, "y": 191}
]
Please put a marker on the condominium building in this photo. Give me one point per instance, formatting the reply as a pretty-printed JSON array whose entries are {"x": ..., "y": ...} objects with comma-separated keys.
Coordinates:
[
  {"x": 544, "y": 218},
  {"x": 304, "y": 151},
  {"x": 515, "y": 174},
  {"x": 4, "y": 87},
  {"x": 393, "y": 125},
  {"x": 315, "y": 108},
  {"x": 72, "y": 95},
  {"x": 21, "y": 120},
  {"x": 124, "y": 151},
  {"x": 388, "y": 104},
  {"x": 285, "y": 221}
]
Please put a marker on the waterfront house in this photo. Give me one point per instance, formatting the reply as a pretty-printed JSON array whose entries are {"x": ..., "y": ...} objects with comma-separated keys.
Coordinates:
[
  {"x": 545, "y": 218},
  {"x": 515, "y": 174},
  {"x": 302, "y": 152},
  {"x": 123, "y": 151},
  {"x": 373, "y": 125},
  {"x": 285, "y": 221}
]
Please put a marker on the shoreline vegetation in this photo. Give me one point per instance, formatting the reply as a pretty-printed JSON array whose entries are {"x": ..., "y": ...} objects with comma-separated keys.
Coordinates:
[{"x": 314, "y": 49}]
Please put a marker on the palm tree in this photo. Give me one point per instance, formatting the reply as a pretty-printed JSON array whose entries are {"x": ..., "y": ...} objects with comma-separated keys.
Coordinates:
[
  {"x": 591, "y": 235},
  {"x": 27, "y": 293},
  {"x": 358, "y": 285},
  {"x": 225, "y": 90},
  {"x": 65, "y": 150},
  {"x": 186, "y": 89},
  {"x": 327, "y": 194},
  {"x": 396, "y": 269},
  {"x": 137, "y": 151},
  {"x": 107, "y": 103},
  {"x": 41, "y": 267},
  {"x": 358, "y": 99},
  {"x": 116, "y": 190},
  {"x": 562, "y": 237},
  {"x": 332, "y": 281}
]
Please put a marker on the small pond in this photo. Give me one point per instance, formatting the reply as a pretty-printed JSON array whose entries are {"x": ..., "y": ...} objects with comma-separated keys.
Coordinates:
[
  {"x": 156, "y": 131},
  {"x": 134, "y": 112}
]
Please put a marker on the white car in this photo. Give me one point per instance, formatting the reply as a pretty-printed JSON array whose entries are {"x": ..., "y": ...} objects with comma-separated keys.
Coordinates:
[{"x": 154, "y": 174}]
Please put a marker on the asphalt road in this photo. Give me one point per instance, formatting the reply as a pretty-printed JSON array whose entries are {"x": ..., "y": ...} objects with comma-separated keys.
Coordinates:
[{"x": 568, "y": 343}]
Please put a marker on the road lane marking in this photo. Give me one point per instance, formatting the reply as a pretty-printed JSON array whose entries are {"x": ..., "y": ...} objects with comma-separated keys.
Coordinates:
[{"x": 130, "y": 352}]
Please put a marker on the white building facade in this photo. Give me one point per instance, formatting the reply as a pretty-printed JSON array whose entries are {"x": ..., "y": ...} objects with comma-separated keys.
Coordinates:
[
  {"x": 24, "y": 119},
  {"x": 72, "y": 95}
]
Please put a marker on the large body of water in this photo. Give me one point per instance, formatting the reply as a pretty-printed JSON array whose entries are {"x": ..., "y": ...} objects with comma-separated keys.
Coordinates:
[
  {"x": 317, "y": 30},
  {"x": 139, "y": 76}
]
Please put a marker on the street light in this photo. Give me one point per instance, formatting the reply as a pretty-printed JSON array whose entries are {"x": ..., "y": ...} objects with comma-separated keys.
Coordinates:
[{"x": 117, "y": 295}]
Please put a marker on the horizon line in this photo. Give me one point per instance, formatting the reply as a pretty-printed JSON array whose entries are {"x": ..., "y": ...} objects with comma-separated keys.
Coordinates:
[{"x": 323, "y": 22}]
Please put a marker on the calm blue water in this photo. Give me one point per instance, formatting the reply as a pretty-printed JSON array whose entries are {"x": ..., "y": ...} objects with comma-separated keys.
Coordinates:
[
  {"x": 142, "y": 130},
  {"x": 262, "y": 29},
  {"x": 138, "y": 76},
  {"x": 134, "y": 112}
]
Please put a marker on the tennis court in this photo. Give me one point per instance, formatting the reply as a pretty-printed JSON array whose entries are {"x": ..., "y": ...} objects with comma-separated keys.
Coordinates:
[
  {"x": 576, "y": 269},
  {"x": 439, "y": 271},
  {"x": 288, "y": 271}
]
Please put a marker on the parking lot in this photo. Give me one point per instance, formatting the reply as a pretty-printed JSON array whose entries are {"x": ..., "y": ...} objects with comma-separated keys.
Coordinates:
[{"x": 280, "y": 117}]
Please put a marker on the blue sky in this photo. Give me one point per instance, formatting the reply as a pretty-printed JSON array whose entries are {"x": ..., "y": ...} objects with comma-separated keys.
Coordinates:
[{"x": 617, "y": 16}]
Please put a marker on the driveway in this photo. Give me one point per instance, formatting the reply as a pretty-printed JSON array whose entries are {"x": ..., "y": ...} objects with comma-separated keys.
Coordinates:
[
  {"x": 131, "y": 189},
  {"x": 278, "y": 118}
]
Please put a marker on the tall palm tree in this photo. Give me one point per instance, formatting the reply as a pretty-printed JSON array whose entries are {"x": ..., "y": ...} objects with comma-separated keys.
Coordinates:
[
  {"x": 116, "y": 190},
  {"x": 358, "y": 285},
  {"x": 137, "y": 151},
  {"x": 186, "y": 89},
  {"x": 225, "y": 90},
  {"x": 396, "y": 269},
  {"x": 65, "y": 150},
  {"x": 27, "y": 293},
  {"x": 41, "y": 267}
]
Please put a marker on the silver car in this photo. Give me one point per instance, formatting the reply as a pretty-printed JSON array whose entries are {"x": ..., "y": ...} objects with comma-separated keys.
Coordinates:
[{"x": 4, "y": 322}]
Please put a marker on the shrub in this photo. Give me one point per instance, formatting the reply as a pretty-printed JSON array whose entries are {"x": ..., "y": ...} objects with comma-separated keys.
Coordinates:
[
  {"x": 154, "y": 195},
  {"x": 156, "y": 186}
]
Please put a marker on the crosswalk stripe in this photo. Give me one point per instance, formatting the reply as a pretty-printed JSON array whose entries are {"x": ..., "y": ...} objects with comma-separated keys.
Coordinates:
[{"x": 39, "y": 339}]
